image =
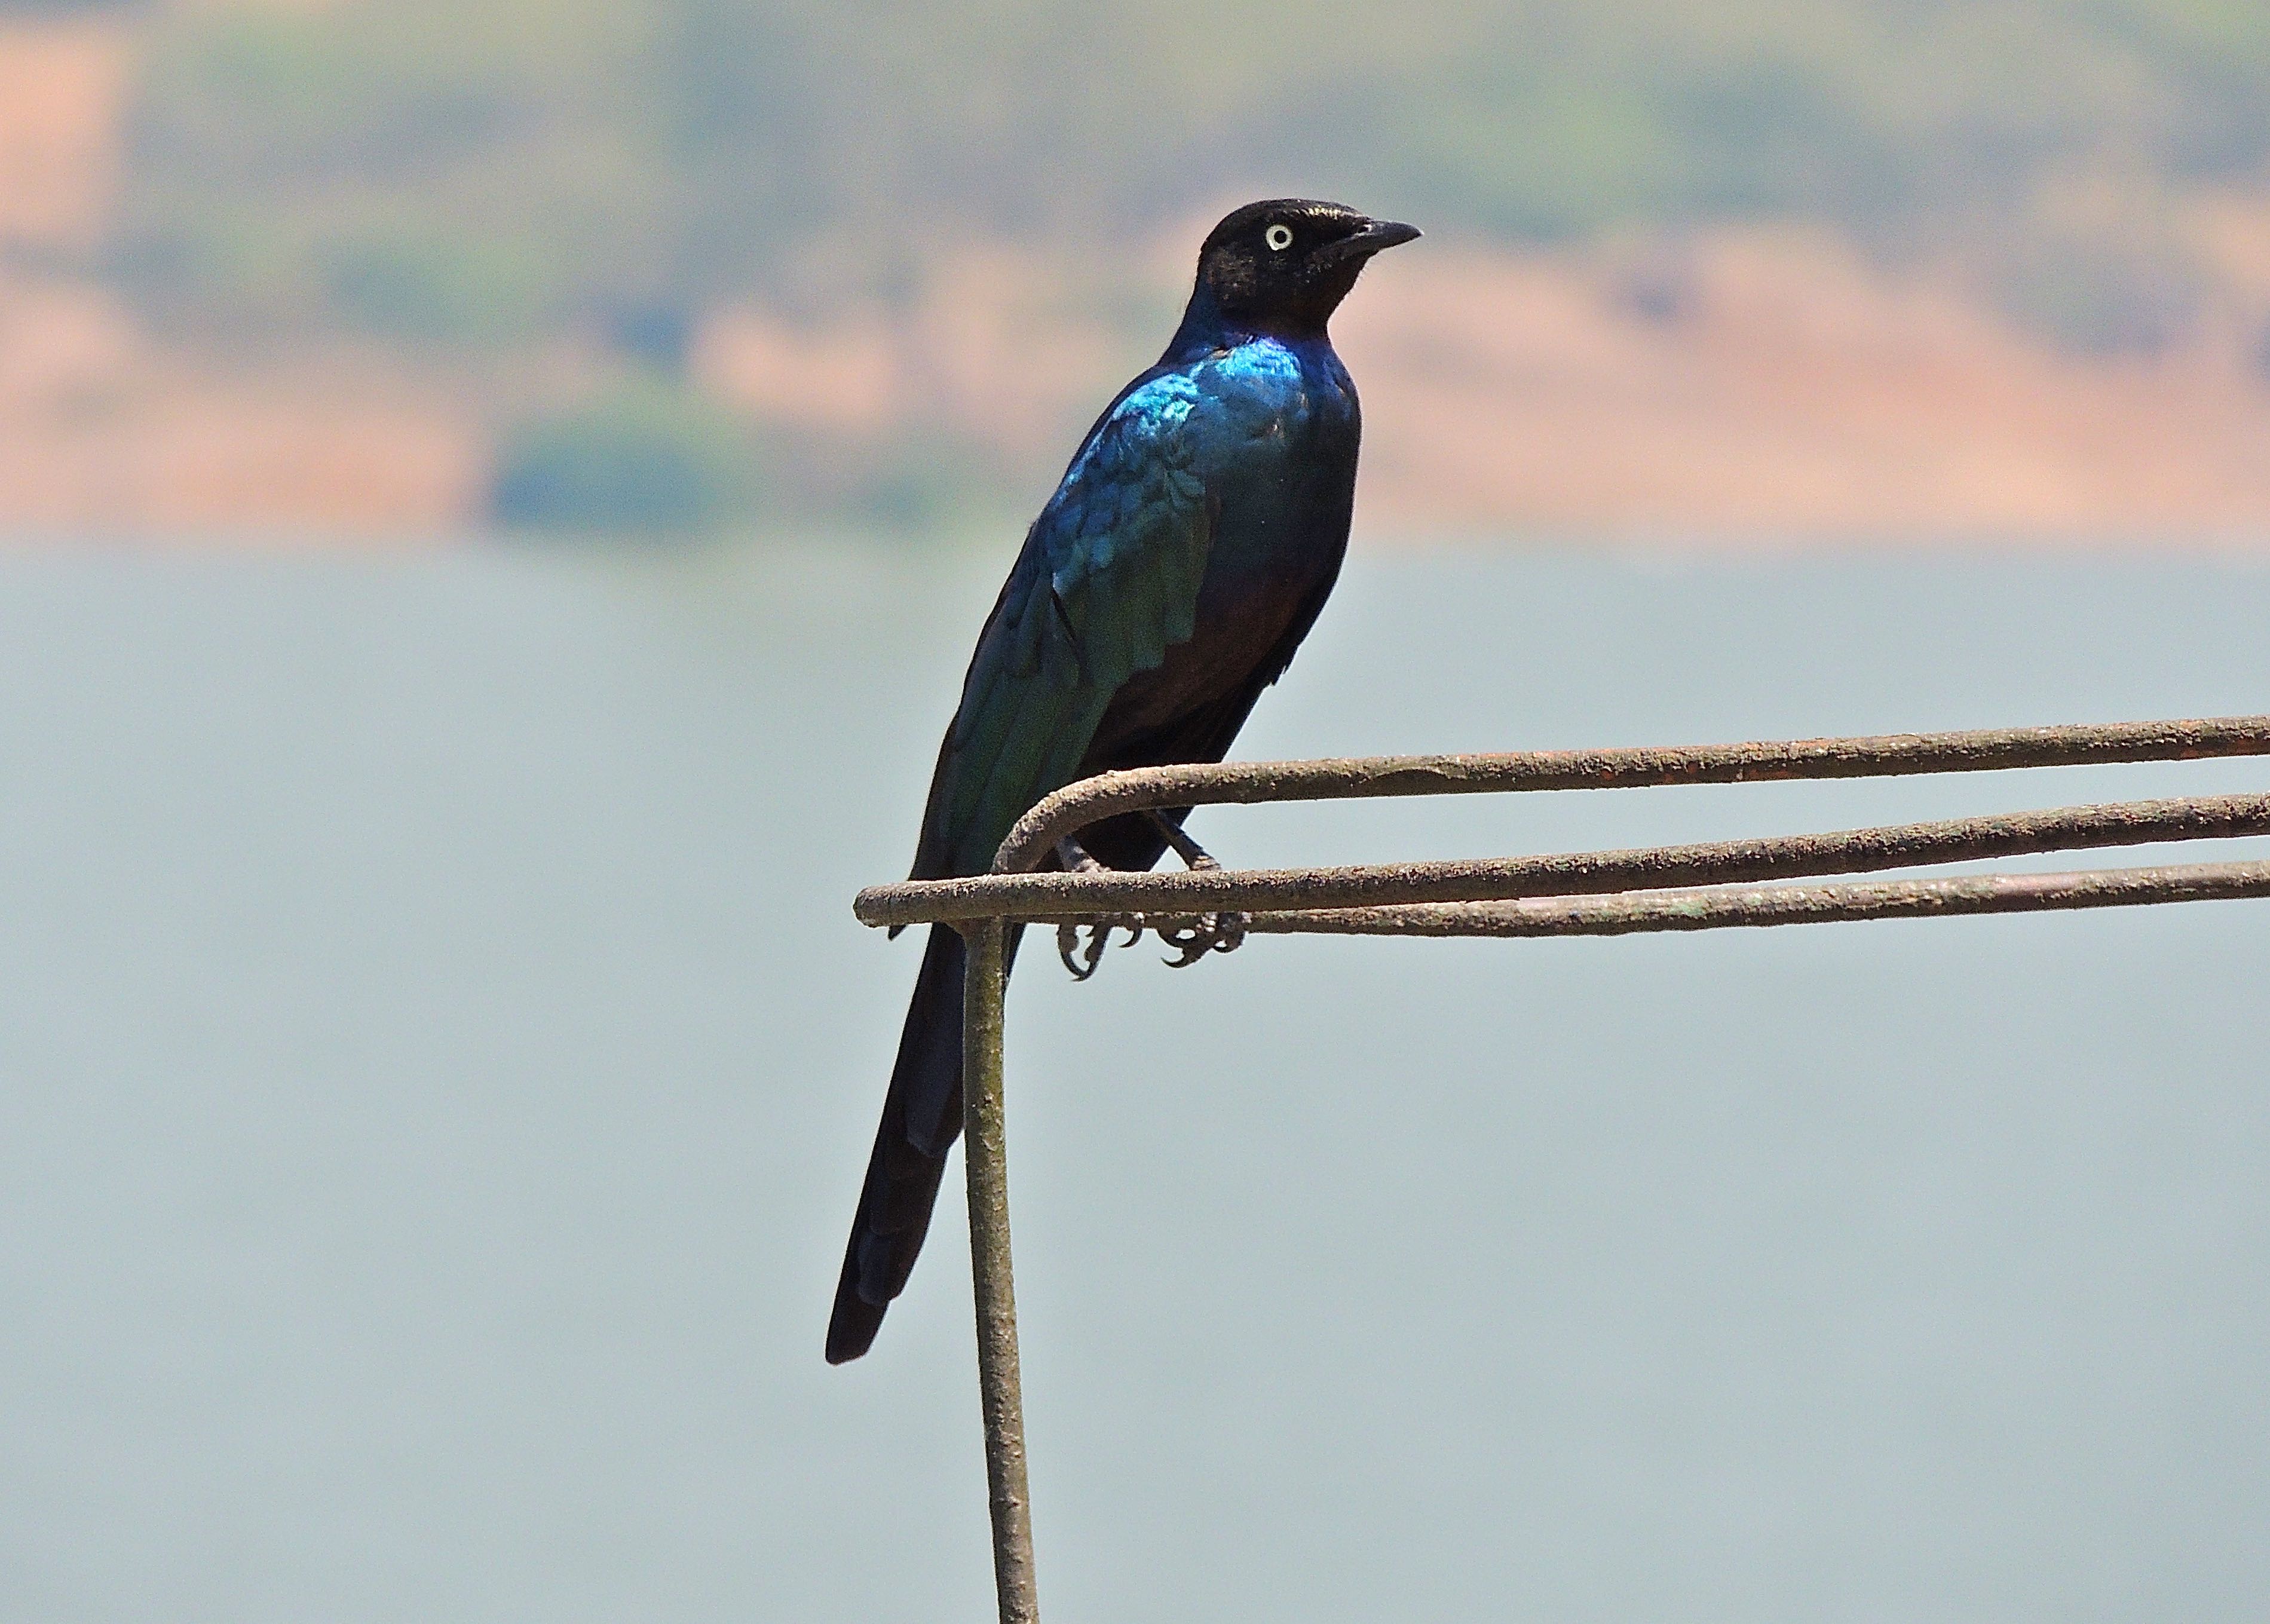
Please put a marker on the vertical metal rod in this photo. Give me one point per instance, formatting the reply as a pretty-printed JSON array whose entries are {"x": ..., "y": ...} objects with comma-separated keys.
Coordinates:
[{"x": 986, "y": 1151}]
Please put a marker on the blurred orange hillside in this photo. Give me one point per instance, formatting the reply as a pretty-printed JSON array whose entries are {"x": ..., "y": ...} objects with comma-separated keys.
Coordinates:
[
  {"x": 1746, "y": 384},
  {"x": 1737, "y": 381},
  {"x": 103, "y": 427}
]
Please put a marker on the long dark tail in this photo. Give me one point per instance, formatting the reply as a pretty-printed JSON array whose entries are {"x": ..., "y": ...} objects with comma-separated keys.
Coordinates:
[{"x": 922, "y": 1117}]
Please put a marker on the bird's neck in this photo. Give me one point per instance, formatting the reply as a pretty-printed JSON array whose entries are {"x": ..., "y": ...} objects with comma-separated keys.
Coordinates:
[{"x": 1206, "y": 327}]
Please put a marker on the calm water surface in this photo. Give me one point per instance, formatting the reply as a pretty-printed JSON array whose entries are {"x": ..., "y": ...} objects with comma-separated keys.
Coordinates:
[{"x": 439, "y": 1059}]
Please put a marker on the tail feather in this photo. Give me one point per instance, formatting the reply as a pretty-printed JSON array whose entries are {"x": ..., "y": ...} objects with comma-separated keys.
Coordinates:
[{"x": 922, "y": 1117}]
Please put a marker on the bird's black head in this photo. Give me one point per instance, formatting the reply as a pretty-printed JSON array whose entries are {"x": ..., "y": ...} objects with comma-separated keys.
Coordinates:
[{"x": 1285, "y": 265}]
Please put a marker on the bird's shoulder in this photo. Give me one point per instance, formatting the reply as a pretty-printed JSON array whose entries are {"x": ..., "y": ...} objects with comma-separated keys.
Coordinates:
[{"x": 1186, "y": 418}]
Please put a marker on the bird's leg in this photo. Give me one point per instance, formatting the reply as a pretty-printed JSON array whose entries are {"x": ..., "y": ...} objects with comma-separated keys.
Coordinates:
[
  {"x": 1193, "y": 855},
  {"x": 1082, "y": 959},
  {"x": 1206, "y": 933}
]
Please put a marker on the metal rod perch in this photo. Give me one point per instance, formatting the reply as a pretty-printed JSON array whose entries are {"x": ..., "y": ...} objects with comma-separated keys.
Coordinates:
[
  {"x": 1487, "y": 880},
  {"x": 1705, "y": 885},
  {"x": 1000, "y": 1385}
]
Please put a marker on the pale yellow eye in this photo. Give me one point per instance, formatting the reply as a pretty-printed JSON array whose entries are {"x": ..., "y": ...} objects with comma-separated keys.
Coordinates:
[{"x": 1278, "y": 237}]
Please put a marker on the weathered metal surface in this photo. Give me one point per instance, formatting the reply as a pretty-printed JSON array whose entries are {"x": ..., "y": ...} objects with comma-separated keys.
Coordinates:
[
  {"x": 1075, "y": 806},
  {"x": 1698, "y": 887},
  {"x": 1740, "y": 862},
  {"x": 1000, "y": 1384},
  {"x": 1721, "y": 908}
]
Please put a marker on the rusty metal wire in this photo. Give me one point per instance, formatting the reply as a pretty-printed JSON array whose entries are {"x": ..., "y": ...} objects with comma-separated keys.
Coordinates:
[
  {"x": 1697, "y": 887},
  {"x": 1717, "y": 908},
  {"x": 1075, "y": 806},
  {"x": 1848, "y": 851},
  {"x": 992, "y": 1280}
]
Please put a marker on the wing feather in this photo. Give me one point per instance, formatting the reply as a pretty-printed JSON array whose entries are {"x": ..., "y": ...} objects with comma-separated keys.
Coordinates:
[{"x": 1107, "y": 582}]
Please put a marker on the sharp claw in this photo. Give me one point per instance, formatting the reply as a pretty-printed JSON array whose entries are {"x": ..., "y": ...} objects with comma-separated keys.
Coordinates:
[
  {"x": 1068, "y": 945},
  {"x": 1082, "y": 958},
  {"x": 1191, "y": 943},
  {"x": 1208, "y": 933}
]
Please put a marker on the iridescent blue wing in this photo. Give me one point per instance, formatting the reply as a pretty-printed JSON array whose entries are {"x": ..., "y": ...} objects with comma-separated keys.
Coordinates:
[{"x": 1107, "y": 581}]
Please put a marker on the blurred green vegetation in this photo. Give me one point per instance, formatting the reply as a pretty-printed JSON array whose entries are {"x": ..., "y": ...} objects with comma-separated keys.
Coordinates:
[
  {"x": 641, "y": 458},
  {"x": 469, "y": 176},
  {"x": 468, "y": 182},
  {"x": 648, "y": 456}
]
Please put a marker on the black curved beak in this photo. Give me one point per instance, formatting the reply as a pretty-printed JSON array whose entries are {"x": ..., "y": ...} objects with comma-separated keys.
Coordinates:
[{"x": 1375, "y": 237}]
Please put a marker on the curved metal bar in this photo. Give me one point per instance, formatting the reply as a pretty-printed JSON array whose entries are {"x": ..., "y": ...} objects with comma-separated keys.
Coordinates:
[
  {"x": 1712, "y": 888},
  {"x": 1954, "y": 840},
  {"x": 1722, "y": 908},
  {"x": 1076, "y": 805}
]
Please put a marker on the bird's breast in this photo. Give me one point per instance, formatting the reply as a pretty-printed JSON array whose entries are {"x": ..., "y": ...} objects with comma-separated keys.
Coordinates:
[{"x": 1283, "y": 463}]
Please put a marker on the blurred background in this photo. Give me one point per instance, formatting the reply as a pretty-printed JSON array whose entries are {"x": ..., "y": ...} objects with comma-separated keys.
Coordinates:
[
  {"x": 1851, "y": 267},
  {"x": 494, "y": 503}
]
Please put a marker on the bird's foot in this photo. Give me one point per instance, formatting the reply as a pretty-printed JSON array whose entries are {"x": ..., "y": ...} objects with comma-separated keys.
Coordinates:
[
  {"x": 1081, "y": 957},
  {"x": 1194, "y": 938}
]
